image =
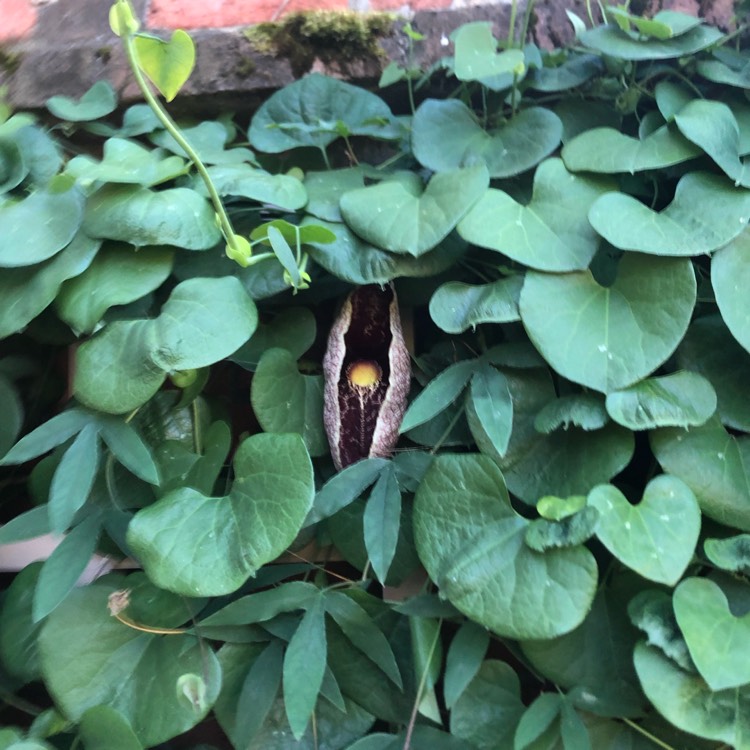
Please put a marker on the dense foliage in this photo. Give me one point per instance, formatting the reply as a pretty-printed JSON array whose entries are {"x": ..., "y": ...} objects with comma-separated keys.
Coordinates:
[{"x": 567, "y": 232}]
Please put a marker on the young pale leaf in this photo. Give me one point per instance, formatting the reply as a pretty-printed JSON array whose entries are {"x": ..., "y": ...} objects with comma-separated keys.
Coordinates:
[
  {"x": 715, "y": 636},
  {"x": 677, "y": 230},
  {"x": 729, "y": 273},
  {"x": 714, "y": 464},
  {"x": 552, "y": 232},
  {"x": 732, "y": 554},
  {"x": 198, "y": 545},
  {"x": 402, "y": 218},
  {"x": 128, "y": 448},
  {"x": 258, "y": 694},
  {"x": 345, "y": 487},
  {"x": 463, "y": 661},
  {"x": 141, "y": 684},
  {"x": 688, "y": 702},
  {"x": 591, "y": 337},
  {"x": 381, "y": 523},
  {"x": 74, "y": 478},
  {"x": 446, "y": 136},
  {"x": 491, "y": 405},
  {"x": 167, "y": 64},
  {"x": 285, "y": 400},
  {"x": 477, "y": 58},
  {"x": 456, "y": 306},
  {"x": 304, "y": 667},
  {"x": 439, "y": 394},
  {"x": 366, "y": 636},
  {"x": 657, "y": 537},
  {"x": 104, "y": 728},
  {"x": 285, "y": 255},
  {"x": 471, "y": 543},
  {"x": 44, "y": 438},
  {"x": 99, "y": 101},
  {"x": 682, "y": 399}
]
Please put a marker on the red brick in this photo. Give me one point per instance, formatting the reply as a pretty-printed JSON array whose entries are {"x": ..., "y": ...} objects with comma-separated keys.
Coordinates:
[
  {"x": 191, "y": 14},
  {"x": 434, "y": 4},
  {"x": 18, "y": 19}
]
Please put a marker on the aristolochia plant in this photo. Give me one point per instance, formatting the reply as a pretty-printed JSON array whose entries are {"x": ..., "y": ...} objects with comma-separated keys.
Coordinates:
[{"x": 505, "y": 362}]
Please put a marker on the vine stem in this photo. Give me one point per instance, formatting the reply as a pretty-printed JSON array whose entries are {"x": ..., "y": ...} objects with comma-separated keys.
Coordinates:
[
  {"x": 171, "y": 127},
  {"x": 647, "y": 734},
  {"x": 420, "y": 690}
]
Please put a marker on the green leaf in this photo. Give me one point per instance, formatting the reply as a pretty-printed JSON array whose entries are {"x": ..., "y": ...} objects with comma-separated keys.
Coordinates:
[
  {"x": 537, "y": 718},
  {"x": 18, "y": 631},
  {"x": 552, "y": 232},
  {"x": 678, "y": 229},
  {"x": 129, "y": 449},
  {"x": 554, "y": 508},
  {"x": 440, "y": 393},
  {"x": 714, "y": 464},
  {"x": 104, "y": 728},
  {"x": 584, "y": 410},
  {"x": 406, "y": 219},
  {"x": 209, "y": 139},
  {"x": 487, "y": 712},
  {"x": 12, "y": 411},
  {"x": 13, "y": 169},
  {"x": 28, "y": 290},
  {"x": 471, "y": 543},
  {"x": 573, "y": 72},
  {"x": 657, "y": 537},
  {"x": 710, "y": 350},
  {"x": 74, "y": 478},
  {"x": 611, "y": 40},
  {"x": 463, "y": 662},
  {"x": 689, "y": 703},
  {"x": 307, "y": 112},
  {"x": 167, "y": 64},
  {"x": 216, "y": 543},
  {"x": 34, "y": 522},
  {"x": 326, "y": 188},
  {"x": 98, "y": 101},
  {"x": 732, "y": 553},
  {"x": 64, "y": 567},
  {"x": 365, "y": 635},
  {"x": 682, "y": 399},
  {"x": 491, "y": 405},
  {"x": 381, "y": 523},
  {"x": 591, "y": 338},
  {"x": 284, "y": 254},
  {"x": 455, "y": 306},
  {"x": 446, "y": 135},
  {"x": 40, "y": 225},
  {"x": 258, "y": 185},
  {"x": 351, "y": 259},
  {"x": 712, "y": 127},
  {"x": 141, "y": 683},
  {"x": 609, "y": 151},
  {"x": 304, "y": 666},
  {"x": 729, "y": 272},
  {"x": 117, "y": 276},
  {"x": 570, "y": 531},
  {"x": 345, "y": 487},
  {"x": 47, "y": 436},
  {"x": 175, "y": 216},
  {"x": 284, "y": 400},
  {"x": 127, "y": 162},
  {"x": 715, "y": 636},
  {"x": 477, "y": 58}
]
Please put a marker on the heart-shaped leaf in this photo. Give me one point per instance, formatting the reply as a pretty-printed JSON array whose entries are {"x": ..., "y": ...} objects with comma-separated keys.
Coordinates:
[
  {"x": 98, "y": 101},
  {"x": 710, "y": 349},
  {"x": 573, "y": 72},
  {"x": 39, "y": 226},
  {"x": 657, "y": 537},
  {"x": 167, "y": 64},
  {"x": 714, "y": 464},
  {"x": 400, "y": 217},
  {"x": 326, "y": 188},
  {"x": 446, "y": 135},
  {"x": 471, "y": 543},
  {"x": 285, "y": 400},
  {"x": 477, "y": 58},
  {"x": 455, "y": 306},
  {"x": 258, "y": 185},
  {"x": 610, "y": 337},
  {"x": 198, "y": 545},
  {"x": 552, "y": 232},
  {"x": 608, "y": 150},
  {"x": 730, "y": 271},
  {"x": 679, "y": 229},
  {"x": 176, "y": 216},
  {"x": 732, "y": 553},
  {"x": 682, "y": 399},
  {"x": 688, "y": 702},
  {"x": 717, "y": 640}
]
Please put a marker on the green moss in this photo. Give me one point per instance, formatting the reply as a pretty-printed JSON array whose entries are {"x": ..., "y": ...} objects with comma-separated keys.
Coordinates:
[
  {"x": 245, "y": 67},
  {"x": 9, "y": 60},
  {"x": 341, "y": 37}
]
